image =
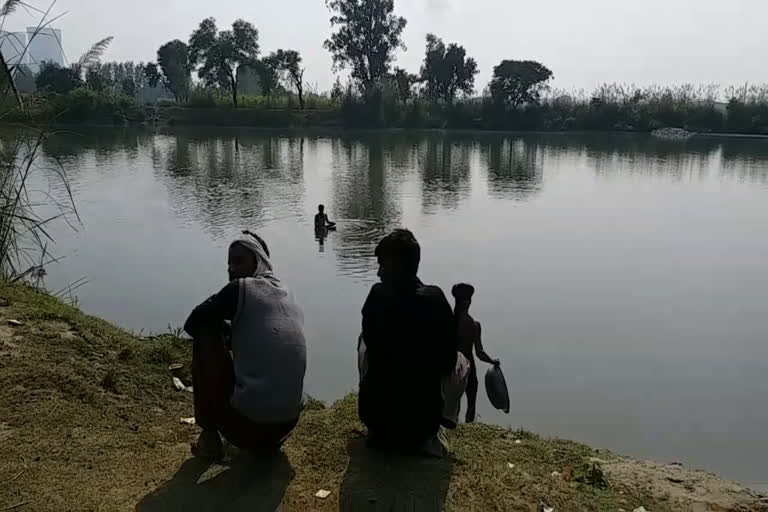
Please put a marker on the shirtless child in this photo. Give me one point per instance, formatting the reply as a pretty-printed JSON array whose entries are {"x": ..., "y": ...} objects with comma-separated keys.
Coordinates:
[
  {"x": 321, "y": 220},
  {"x": 469, "y": 334}
]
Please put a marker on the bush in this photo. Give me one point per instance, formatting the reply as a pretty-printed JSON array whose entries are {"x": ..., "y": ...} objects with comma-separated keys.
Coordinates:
[
  {"x": 705, "y": 119},
  {"x": 747, "y": 117},
  {"x": 355, "y": 113},
  {"x": 203, "y": 98},
  {"x": 416, "y": 115},
  {"x": 609, "y": 108},
  {"x": 54, "y": 78},
  {"x": 80, "y": 106}
]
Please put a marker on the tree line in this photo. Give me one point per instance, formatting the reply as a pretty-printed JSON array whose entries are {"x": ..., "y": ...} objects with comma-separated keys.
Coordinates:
[
  {"x": 366, "y": 36},
  {"x": 222, "y": 60}
]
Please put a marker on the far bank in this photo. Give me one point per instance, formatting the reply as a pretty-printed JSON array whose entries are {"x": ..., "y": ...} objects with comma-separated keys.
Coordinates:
[{"x": 86, "y": 107}]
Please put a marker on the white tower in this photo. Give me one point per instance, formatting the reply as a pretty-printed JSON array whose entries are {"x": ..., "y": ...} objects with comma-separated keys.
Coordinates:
[
  {"x": 45, "y": 45},
  {"x": 12, "y": 45}
]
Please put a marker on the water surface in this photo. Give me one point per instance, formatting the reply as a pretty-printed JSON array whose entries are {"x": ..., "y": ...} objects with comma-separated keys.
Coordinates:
[{"x": 621, "y": 280}]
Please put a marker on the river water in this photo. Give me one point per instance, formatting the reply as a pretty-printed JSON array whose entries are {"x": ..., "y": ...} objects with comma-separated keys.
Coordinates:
[{"x": 621, "y": 280}]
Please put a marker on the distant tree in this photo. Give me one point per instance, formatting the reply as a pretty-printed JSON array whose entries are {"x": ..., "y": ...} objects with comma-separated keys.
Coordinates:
[
  {"x": 116, "y": 73},
  {"x": 337, "y": 91},
  {"x": 173, "y": 59},
  {"x": 88, "y": 70},
  {"x": 404, "y": 82},
  {"x": 447, "y": 70},
  {"x": 518, "y": 82},
  {"x": 432, "y": 68},
  {"x": 98, "y": 77},
  {"x": 25, "y": 79},
  {"x": 172, "y": 70},
  {"x": 128, "y": 86},
  {"x": 138, "y": 75},
  {"x": 367, "y": 36},
  {"x": 289, "y": 62},
  {"x": 269, "y": 76},
  {"x": 220, "y": 54},
  {"x": 152, "y": 74},
  {"x": 54, "y": 78},
  {"x": 91, "y": 58}
]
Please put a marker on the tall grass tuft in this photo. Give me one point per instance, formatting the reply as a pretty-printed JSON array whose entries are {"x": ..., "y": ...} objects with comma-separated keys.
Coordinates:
[
  {"x": 24, "y": 235},
  {"x": 26, "y": 213}
]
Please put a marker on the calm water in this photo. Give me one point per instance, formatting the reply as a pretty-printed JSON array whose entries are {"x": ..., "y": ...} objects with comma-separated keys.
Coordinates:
[{"x": 621, "y": 280}]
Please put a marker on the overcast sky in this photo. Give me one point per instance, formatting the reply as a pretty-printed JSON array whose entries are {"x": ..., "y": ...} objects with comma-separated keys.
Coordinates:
[{"x": 584, "y": 42}]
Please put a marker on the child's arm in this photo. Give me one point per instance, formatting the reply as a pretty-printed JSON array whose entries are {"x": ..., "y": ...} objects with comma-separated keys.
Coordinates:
[{"x": 481, "y": 354}]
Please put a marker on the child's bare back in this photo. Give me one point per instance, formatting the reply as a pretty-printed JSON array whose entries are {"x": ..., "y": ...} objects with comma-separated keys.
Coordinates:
[{"x": 467, "y": 333}]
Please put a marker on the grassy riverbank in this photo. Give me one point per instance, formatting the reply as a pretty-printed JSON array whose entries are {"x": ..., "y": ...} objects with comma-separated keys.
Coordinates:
[{"x": 90, "y": 421}]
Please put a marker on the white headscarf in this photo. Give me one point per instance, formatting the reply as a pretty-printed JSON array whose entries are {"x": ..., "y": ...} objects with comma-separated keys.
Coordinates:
[{"x": 263, "y": 264}]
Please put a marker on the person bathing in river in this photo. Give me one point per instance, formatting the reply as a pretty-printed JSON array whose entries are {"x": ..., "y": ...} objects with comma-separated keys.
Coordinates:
[
  {"x": 321, "y": 220},
  {"x": 407, "y": 347},
  {"x": 470, "y": 341},
  {"x": 252, "y": 395}
]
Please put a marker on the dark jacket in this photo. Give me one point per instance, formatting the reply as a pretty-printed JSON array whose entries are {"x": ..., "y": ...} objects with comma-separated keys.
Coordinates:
[{"x": 412, "y": 344}]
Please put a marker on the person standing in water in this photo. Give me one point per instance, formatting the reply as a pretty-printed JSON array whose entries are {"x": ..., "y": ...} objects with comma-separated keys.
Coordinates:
[
  {"x": 321, "y": 220},
  {"x": 470, "y": 341},
  {"x": 252, "y": 396}
]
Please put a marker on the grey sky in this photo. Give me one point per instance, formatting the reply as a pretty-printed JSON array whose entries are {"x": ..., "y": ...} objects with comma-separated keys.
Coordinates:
[{"x": 585, "y": 42}]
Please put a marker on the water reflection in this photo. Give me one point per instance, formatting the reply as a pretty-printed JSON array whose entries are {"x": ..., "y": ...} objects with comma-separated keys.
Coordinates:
[
  {"x": 365, "y": 193},
  {"x": 746, "y": 161},
  {"x": 445, "y": 168},
  {"x": 649, "y": 156},
  {"x": 515, "y": 168},
  {"x": 245, "y": 180},
  {"x": 240, "y": 178},
  {"x": 102, "y": 144},
  {"x": 321, "y": 234}
]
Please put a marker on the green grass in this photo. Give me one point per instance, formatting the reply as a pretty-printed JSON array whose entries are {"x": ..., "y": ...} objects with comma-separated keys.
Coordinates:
[{"x": 90, "y": 421}]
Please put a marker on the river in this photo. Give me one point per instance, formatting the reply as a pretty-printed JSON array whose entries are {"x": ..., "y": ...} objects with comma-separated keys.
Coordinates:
[{"x": 621, "y": 280}]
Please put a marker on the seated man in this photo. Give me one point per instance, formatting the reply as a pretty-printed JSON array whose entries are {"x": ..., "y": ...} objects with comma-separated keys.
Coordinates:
[
  {"x": 254, "y": 396},
  {"x": 321, "y": 220},
  {"x": 410, "y": 346}
]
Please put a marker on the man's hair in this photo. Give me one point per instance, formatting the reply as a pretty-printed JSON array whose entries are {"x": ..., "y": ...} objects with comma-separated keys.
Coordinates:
[
  {"x": 321, "y": 207},
  {"x": 463, "y": 291},
  {"x": 259, "y": 240},
  {"x": 401, "y": 248}
]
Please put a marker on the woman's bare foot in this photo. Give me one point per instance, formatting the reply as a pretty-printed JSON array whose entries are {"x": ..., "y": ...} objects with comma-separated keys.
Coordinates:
[{"x": 208, "y": 446}]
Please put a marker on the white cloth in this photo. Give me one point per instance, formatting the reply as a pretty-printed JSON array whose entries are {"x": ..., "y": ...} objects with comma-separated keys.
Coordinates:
[
  {"x": 454, "y": 388},
  {"x": 263, "y": 264},
  {"x": 268, "y": 345},
  {"x": 269, "y": 352}
]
